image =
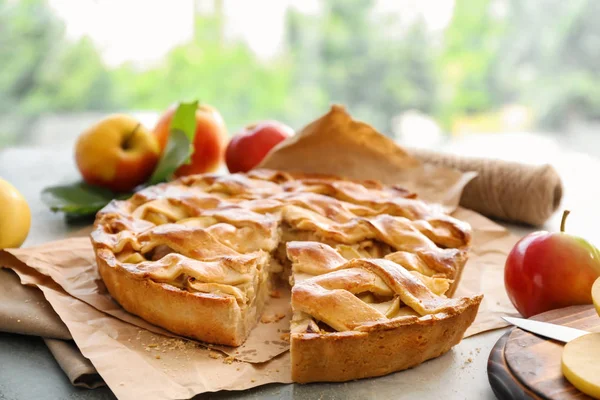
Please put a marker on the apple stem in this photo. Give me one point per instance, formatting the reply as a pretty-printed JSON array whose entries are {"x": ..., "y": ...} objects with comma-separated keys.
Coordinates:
[
  {"x": 563, "y": 221},
  {"x": 125, "y": 143}
]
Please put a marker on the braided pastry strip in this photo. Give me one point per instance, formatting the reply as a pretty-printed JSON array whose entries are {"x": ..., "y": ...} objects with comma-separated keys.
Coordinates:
[
  {"x": 331, "y": 297},
  {"x": 222, "y": 251},
  {"x": 215, "y": 217},
  {"x": 339, "y": 200},
  {"x": 314, "y": 258},
  {"x": 365, "y": 198},
  {"x": 399, "y": 233}
]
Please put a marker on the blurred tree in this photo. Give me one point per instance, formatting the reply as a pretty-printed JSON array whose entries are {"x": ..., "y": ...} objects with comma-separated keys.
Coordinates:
[
  {"x": 468, "y": 61},
  {"x": 29, "y": 33},
  {"x": 553, "y": 53},
  {"x": 373, "y": 65},
  {"x": 302, "y": 39},
  {"x": 41, "y": 72},
  {"x": 29, "y": 36},
  {"x": 77, "y": 80},
  {"x": 225, "y": 74},
  {"x": 542, "y": 54}
]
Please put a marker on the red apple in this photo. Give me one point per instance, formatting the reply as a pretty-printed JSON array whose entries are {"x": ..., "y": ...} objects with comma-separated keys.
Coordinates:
[
  {"x": 117, "y": 153},
  {"x": 545, "y": 271},
  {"x": 210, "y": 139},
  {"x": 248, "y": 148}
]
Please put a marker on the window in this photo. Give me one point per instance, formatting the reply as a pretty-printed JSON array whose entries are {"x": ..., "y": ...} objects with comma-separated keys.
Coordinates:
[{"x": 435, "y": 67}]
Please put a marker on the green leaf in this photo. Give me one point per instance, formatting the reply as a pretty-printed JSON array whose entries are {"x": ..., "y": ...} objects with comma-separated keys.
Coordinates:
[
  {"x": 185, "y": 119},
  {"x": 180, "y": 146},
  {"x": 177, "y": 153},
  {"x": 78, "y": 199}
]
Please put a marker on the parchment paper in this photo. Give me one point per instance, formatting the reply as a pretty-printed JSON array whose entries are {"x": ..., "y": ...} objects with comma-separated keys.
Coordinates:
[
  {"x": 139, "y": 364},
  {"x": 71, "y": 264},
  {"x": 339, "y": 145},
  {"x": 139, "y": 360}
]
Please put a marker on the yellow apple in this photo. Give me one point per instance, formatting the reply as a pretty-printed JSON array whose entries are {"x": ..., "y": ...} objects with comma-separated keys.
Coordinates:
[
  {"x": 117, "y": 153},
  {"x": 15, "y": 216}
]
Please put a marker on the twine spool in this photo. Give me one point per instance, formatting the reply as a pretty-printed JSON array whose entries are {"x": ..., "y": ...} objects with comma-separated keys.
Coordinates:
[{"x": 504, "y": 190}]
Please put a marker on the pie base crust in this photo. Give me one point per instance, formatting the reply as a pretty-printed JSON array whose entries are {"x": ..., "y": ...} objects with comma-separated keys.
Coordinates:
[
  {"x": 179, "y": 311},
  {"x": 344, "y": 356}
]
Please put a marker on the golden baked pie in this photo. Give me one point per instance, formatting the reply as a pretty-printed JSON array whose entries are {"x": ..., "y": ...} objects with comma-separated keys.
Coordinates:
[{"x": 372, "y": 267}]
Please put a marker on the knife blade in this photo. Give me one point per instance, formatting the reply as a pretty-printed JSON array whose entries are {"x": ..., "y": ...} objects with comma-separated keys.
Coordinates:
[{"x": 546, "y": 329}]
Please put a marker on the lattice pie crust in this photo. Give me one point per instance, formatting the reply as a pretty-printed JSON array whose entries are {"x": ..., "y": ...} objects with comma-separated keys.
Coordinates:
[{"x": 372, "y": 268}]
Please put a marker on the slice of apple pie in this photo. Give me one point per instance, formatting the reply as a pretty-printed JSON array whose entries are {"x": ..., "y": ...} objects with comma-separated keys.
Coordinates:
[{"x": 368, "y": 316}]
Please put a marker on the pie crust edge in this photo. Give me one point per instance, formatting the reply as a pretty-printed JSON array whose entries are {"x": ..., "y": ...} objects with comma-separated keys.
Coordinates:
[
  {"x": 331, "y": 357},
  {"x": 179, "y": 311}
]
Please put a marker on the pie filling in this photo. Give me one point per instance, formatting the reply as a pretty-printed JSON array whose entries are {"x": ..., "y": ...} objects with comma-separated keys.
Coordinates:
[{"x": 354, "y": 254}]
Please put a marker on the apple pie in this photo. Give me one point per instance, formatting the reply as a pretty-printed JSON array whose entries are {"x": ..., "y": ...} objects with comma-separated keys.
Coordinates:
[{"x": 372, "y": 268}]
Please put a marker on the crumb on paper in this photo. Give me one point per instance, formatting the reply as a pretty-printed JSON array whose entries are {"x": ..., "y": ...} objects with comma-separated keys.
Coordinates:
[
  {"x": 276, "y": 294},
  {"x": 252, "y": 380},
  {"x": 229, "y": 359},
  {"x": 285, "y": 337},
  {"x": 214, "y": 354},
  {"x": 152, "y": 345},
  {"x": 157, "y": 357},
  {"x": 237, "y": 369},
  {"x": 177, "y": 344},
  {"x": 267, "y": 319},
  {"x": 150, "y": 348}
]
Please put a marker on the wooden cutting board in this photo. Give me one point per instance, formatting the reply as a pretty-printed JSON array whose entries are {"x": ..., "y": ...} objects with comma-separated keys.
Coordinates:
[{"x": 525, "y": 366}]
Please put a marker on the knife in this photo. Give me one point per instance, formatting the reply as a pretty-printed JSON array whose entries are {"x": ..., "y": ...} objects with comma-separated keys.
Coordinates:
[{"x": 546, "y": 329}]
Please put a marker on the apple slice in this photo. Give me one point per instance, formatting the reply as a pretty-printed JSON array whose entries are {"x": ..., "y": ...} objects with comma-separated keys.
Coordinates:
[
  {"x": 596, "y": 295},
  {"x": 580, "y": 363}
]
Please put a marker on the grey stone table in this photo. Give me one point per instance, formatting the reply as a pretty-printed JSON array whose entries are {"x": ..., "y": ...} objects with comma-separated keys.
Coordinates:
[{"x": 28, "y": 370}]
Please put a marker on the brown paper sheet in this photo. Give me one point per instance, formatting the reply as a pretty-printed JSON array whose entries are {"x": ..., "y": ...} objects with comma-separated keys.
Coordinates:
[
  {"x": 71, "y": 264},
  {"x": 484, "y": 272},
  {"x": 138, "y": 360},
  {"x": 136, "y": 363},
  {"x": 339, "y": 145}
]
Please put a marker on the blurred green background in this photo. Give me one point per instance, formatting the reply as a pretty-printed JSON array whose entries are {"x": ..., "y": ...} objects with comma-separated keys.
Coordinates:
[{"x": 493, "y": 65}]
